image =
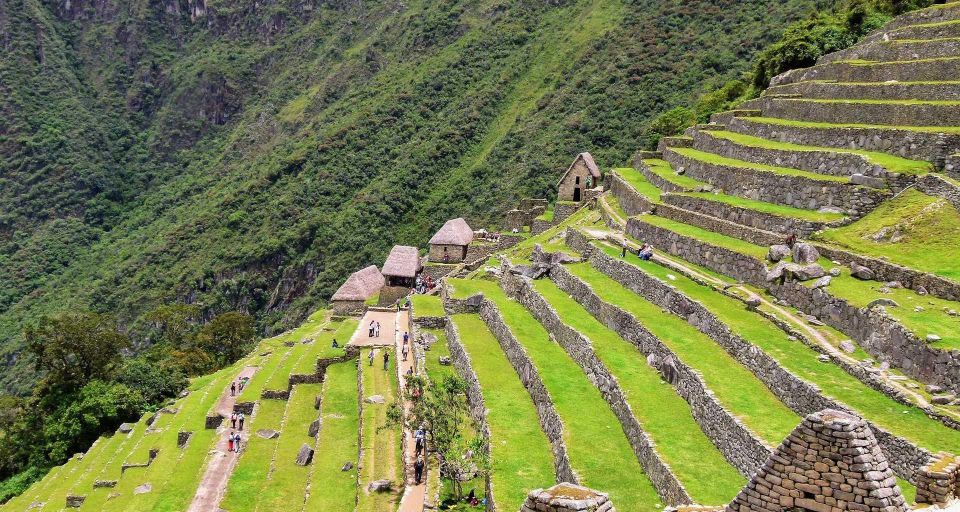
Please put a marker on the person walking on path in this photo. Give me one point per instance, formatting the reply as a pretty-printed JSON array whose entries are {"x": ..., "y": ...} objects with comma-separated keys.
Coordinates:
[
  {"x": 386, "y": 359},
  {"x": 236, "y": 442},
  {"x": 406, "y": 337},
  {"x": 404, "y": 352},
  {"x": 230, "y": 442},
  {"x": 233, "y": 389},
  {"x": 370, "y": 357},
  {"x": 233, "y": 420},
  {"x": 419, "y": 447},
  {"x": 240, "y": 420},
  {"x": 418, "y": 470}
]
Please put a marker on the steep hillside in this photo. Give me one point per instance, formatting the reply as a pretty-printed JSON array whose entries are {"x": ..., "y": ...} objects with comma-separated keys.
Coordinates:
[{"x": 247, "y": 156}]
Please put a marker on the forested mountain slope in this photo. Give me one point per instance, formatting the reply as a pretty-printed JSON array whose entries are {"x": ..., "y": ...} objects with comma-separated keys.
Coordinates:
[{"x": 245, "y": 155}]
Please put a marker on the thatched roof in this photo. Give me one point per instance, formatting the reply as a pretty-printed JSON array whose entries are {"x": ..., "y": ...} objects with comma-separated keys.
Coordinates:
[
  {"x": 454, "y": 232},
  {"x": 403, "y": 261},
  {"x": 361, "y": 285},
  {"x": 588, "y": 161}
]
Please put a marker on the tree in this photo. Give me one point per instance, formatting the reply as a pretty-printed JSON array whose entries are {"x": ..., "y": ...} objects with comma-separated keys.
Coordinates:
[
  {"x": 153, "y": 381},
  {"x": 176, "y": 323},
  {"x": 669, "y": 123},
  {"x": 75, "y": 348},
  {"x": 227, "y": 337}
]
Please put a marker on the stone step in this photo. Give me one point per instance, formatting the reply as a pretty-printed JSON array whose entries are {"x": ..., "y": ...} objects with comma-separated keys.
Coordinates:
[
  {"x": 872, "y": 112},
  {"x": 897, "y": 50},
  {"x": 926, "y": 70},
  {"x": 778, "y": 185},
  {"x": 755, "y": 215},
  {"x": 930, "y": 145},
  {"x": 833, "y": 162},
  {"x": 819, "y": 89}
]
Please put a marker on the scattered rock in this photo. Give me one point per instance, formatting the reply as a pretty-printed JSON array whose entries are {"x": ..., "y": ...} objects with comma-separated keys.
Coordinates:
[
  {"x": 305, "y": 455},
  {"x": 921, "y": 290},
  {"x": 823, "y": 282},
  {"x": 445, "y": 361},
  {"x": 861, "y": 272},
  {"x": 823, "y": 358},
  {"x": 268, "y": 434},
  {"x": 894, "y": 284},
  {"x": 831, "y": 209},
  {"x": 884, "y": 289},
  {"x": 952, "y": 312},
  {"x": 778, "y": 252},
  {"x": 75, "y": 501},
  {"x": 848, "y": 346},
  {"x": 380, "y": 486},
  {"x": 943, "y": 399},
  {"x": 347, "y": 466},
  {"x": 143, "y": 489},
  {"x": 753, "y": 302},
  {"x": 884, "y": 366},
  {"x": 933, "y": 389},
  {"x": 793, "y": 338},
  {"x": 652, "y": 360},
  {"x": 314, "y": 428},
  {"x": 931, "y": 338},
  {"x": 812, "y": 320},
  {"x": 776, "y": 272},
  {"x": 835, "y": 272},
  {"x": 808, "y": 272},
  {"x": 374, "y": 399},
  {"x": 184, "y": 393},
  {"x": 883, "y": 301},
  {"x": 125, "y": 428},
  {"x": 805, "y": 254},
  {"x": 918, "y": 309}
]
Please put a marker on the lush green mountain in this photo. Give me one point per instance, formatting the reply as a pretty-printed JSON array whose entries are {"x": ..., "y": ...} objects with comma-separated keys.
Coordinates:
[{"x": 248, "y": 155}]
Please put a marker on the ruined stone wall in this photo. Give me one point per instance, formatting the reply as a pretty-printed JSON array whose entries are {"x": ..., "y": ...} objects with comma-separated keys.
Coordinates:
[
  {"x": 480, "y": 251},
  {"x": 563, "y": 210},
  {"x": 906, "y": 114},
  {"x": 717, "y": 225},
  {"x": 934, "y": 185},
  {"x": 436, "y": 272},
  {"x": 766, "y": 223},
  {"x": 799, "y": 395},
  {"x": 580, "y": 349},
  {"x": 788, "y": 190},
  {"x": 744, "y": 450},
  {"x": 939, "y": 481},
  {"x": 631, "y": 201},
  {"x": 541, "y": 225}
]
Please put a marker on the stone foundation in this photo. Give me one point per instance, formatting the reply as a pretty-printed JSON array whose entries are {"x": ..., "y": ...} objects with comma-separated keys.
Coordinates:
[
  {"x": 567, "y": 497},
  {"x": 939, "y": 481}
]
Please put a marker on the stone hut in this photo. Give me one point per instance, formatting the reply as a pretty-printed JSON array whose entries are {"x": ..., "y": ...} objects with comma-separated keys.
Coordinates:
[
  {"x": 583, "y": 175},
  {"x": 356, "y": 290},
  {"x": 402, "y": 266},
  {"x": 830, "y": 463},
  {"x": 451, "y": 242}
]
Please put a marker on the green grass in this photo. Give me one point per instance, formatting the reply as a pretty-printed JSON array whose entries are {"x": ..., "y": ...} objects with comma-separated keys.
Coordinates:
[
  {"x": 427, "y": 306},
  {"x": 521, "y": 454},
  {"x": 921, "y": 232},
  {"x": 436, "y": 371},
  {"x": 73, "y": 470},
  {"x": 713, "y": 158},
  {"x": 253, "y": 468},
  {"x": 662, "y": 413},
  {"x": 735, "y": 386},
  {"x": 322, "y": 347},
  {"x": 812, "y": 124},
  {"x": 639, "y": 183},
  {"x": 286, "y": 486},
  {"x": 594, "y": 437},
  {"x": 710, "y": 237},
  {"x": 381, "y": 444},
  {"x": 332, "y": 489},
  {"x": 663, "y": 169},
  {"x": 889, "y": 162},
  {"x": 908, "y": 422},
  {"x": 951, "y": 103},
  {"x": 550, "y": 240},
  {"x": 769, "y": 208}
]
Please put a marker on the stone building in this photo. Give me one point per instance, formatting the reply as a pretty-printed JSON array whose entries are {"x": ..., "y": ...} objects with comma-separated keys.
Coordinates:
[
  {"x": 451, "y": 242},
  {"x": 582, "y": 175},
  {"x": 402, "y": 266},
  {"x": 361, "y": 286}
]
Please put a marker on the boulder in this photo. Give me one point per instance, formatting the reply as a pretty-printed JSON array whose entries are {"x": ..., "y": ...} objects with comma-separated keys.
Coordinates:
[
  {"x": 807, "y": 272},
  {"x": 932, "y": 338},
  {"x": 753, "y": 302},
  {"x": 822, "y": 282},
  {"x": 835, "y": 272},
  {"x": 125, "y": 428},
  {"x": 934, "y": 389},
  {"x": 375, "y": 399},
  {"x": 921, "y": 290},
  {"x": 805, "y": 254},
  {"x": 268, "y": 434},
  {"x": 143, "y": 489},
  {"x": 861, "y": 272},
  {"x": 943, "y": 399},
  {"x": 868, "y": 181},
  {"x": 812, "y": 320},
  {"x": 445, "y": 361},
  {"x": 823, "y": 358},
  {"x": 347, "y": 466},
  {"x": 652, "y": 360},
  {"x": 314, "y": 428},
  {"x": 184, "y": 393},
  {"x": 75, "y": 501},
  {"x": 304, "y": 456},
  {"x": 847, "y": 346},
  {"x": 778, "y": 252},
  {"x": 380, "y": 486},
  {"x": 883, "y": 301}
]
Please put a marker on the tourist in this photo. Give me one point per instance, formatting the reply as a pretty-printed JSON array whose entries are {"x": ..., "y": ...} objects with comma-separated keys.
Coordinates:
[
  {"x": 406, "y": 337},
  {"x": 335, "y": 344},
  {"x": 623, "y": 250},
  {"x": 230, "y": 442},
  {"x": 240, "y": 419},
  {"x": 370, "y": 330},
  {"x": 236, "y": 443},
  {"x": 407, "y": 303},
  {"x": 370, "y": 357},
  {"x": 243, "y": 382},
  {"x": 404, "y": 352},
  {"x": 233, "y": 420},
  {"x": 233, "y": 389},
  {"x": 376, "y": 330},
  {"x": 419, "y": 447},
  {"x": 419, "y": 433},
  {"x": 386, "y": 359},
  {"x": 410, "y": 372},
  {"x": 418, "y": 470},
  {"x": 646, "y": 253}
]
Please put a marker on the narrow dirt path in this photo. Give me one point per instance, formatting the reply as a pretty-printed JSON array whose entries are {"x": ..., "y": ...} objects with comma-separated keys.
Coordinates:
[
  {"x": 214, "y": 482},
  {"x": 414, "y": 494}
]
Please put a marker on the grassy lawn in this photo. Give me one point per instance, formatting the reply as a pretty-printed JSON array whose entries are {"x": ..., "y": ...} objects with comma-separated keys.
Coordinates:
[
  {"x": 890, "y": 162},
  {"x": 381, "y": 445},
  {"x": 521, "y": 454},
  {"x": 322, "y": 347},
  {"x": 427, "y": 305},
  {"x": 111, "y": 470},
  {"x": 912, "y": 229},
  {"x": 436, "y": 371},
  {"x": 332, "y": 489},
  {"x": 75, "y": 468},
  {"x": 735, "y": 386},
  {"x": 713, "y": 158},
  {"x": 812, "y": 124},
  {"x": 593, "y": 435},
  {"x": 96, "y": 458},
  {"x": 710, "y": 237},
  {"x": 861, "y": 101},
  {"x": 769, "y": 208},
  {"x": 639, "y": 182},
  {"x": 286, "y": 486},
  {"x": 551, "y": 240},
  {"x": 663, "y": 169},
  {"x": 253, "y": 468},
  {"x": 664, "y": 415},
  {"x": 908, "y": 422}
]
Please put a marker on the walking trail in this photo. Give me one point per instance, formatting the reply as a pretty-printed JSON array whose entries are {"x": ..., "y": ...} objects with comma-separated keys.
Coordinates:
[
  {"x": 413, "y": 494},
  {"x": 388, "y": 327},
  {"x": 214, "y": 482}
]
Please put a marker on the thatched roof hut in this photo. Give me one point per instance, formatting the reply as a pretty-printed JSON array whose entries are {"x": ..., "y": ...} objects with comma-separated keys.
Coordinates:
[
  {"x": 454, "y": 232},
  {"x": 361, "y": 285},
  {"x": 403, "y": 262}
]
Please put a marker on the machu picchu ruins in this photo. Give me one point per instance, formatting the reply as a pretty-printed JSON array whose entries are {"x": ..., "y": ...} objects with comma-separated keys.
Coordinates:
[{"x": 760, "y": 314}]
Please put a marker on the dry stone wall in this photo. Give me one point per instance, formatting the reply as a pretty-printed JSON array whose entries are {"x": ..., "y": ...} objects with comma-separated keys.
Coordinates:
[
  {"x": 669, "y": 488},
  {"x": 880, "y": 91},
  {"x": 897, "y": 114},
  {"x": 739, "y": 446},
  {"x": 713, "y": 216},
  {"x": 765, "y": 222},
  {"x": 630, "y": 200},
  {"x": 911, "y": 71},
  {"x": 659, "y": 182}
]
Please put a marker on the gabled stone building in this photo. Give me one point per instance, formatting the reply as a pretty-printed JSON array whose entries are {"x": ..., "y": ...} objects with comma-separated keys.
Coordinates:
[
  {"x": 352, "y": 295},
  {"x": 582, "y": 176},
  {"x": 402, "y": 266},
  {"x": 451, "y": 242}
]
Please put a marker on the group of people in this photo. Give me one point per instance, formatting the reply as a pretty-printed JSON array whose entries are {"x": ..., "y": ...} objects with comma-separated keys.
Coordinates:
[
  {"x": 236, "y": 418},
  {"x": 644, "y": 252},
  {"x": 233, "y": 442},
  {"x": 237, "y": 386},
  {"x": 373, "y": 331},
  {"x": 424, "y": 284},
  {"x": 386, "y": 358}
]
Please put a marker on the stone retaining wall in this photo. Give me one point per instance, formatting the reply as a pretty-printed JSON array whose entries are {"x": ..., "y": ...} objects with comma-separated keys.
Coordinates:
[
  {"x": 652, "y": 177},
  {"x": 669, "y": 488},
  {"x": 745, "y": 451},
  {"x": 631, "y": 201},
  {"x": 713, "y": 219},
  {"x": 799, "y": 395},
  {"x": 772, "y": 187},
  {"x": 934, "y": 185},
  {"x": 910, "y": 71},
  {"x": 933, "y": 147},
  {"x": 894, "y": 50},
  {"x": 766, "y": 222},
  {"x": 562, "y": 210},
  {"x": 939, "y": 481},
  {"x": 831, "y": 163},
  {"x": 879, "y": 91},
  {"x": 924, "y": 16},
  {"x": 437, "y": 271},
  {"x": 896, "y": 114}
]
